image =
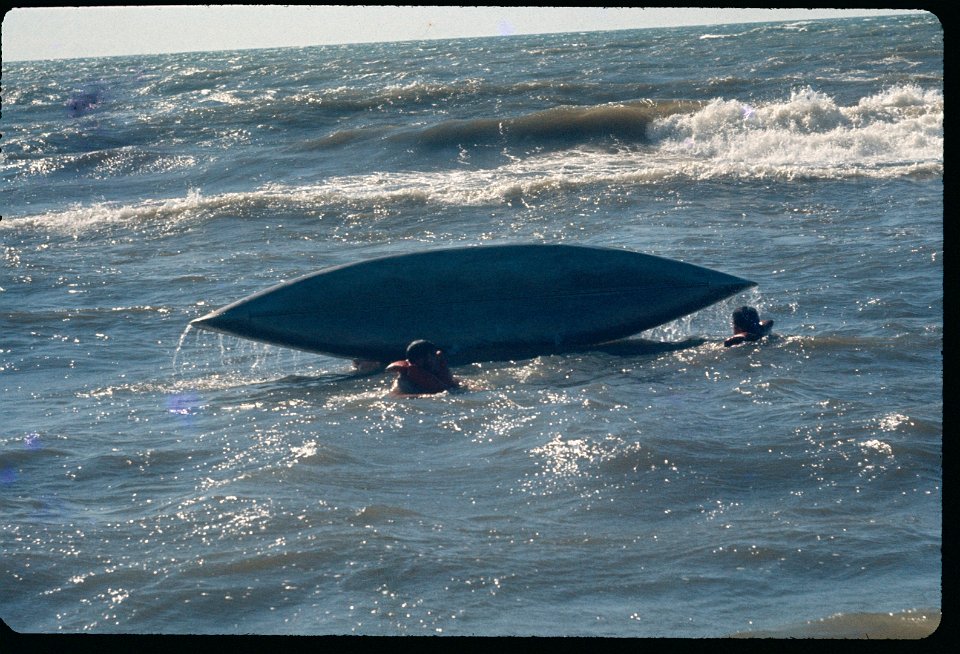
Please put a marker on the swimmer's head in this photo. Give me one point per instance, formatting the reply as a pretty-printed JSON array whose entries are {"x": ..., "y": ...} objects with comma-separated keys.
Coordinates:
[
  {"x": 746, "y": 319},
  {"x": 420, "y": 351}
]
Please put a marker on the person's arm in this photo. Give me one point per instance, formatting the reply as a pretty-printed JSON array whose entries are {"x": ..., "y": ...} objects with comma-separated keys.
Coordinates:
[
  {"x": 736, "y": 339},
  {"x": 741, "y": 337},
  {"x": 365, "y": 367}
]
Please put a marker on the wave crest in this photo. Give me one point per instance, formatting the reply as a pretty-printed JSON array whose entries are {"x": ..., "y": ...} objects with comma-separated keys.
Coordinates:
[
  {"x": 565, "y": 125},
  {"x": 810, "y": 133}
]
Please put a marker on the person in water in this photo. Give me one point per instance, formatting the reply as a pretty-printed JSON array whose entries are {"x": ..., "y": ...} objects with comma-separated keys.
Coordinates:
[
  {"x": 747, "y": 326},
  {"x": 423, "y": 372}
]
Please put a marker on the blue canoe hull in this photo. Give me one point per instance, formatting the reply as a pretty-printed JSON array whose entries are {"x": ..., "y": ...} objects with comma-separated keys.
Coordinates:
[{"x": 477, "y": 303}]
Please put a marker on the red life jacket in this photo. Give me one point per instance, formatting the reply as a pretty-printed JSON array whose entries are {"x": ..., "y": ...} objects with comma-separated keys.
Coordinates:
[{"x": 414, "y": 379}]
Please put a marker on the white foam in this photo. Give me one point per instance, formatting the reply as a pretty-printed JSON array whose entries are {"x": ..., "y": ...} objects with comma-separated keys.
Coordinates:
[{"x": 894, "y": 133}]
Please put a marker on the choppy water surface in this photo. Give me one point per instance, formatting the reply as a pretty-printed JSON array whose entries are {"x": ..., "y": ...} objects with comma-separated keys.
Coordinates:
[{"x": 157, "y": 480}]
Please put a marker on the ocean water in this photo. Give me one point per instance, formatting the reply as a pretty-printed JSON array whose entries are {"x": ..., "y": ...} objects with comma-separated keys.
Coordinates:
[{"x": 155, "y": 479}]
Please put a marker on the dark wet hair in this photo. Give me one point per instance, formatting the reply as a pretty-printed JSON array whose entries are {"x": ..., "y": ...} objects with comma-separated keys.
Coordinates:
[
  {"x": 746, "y": 319},
  {"x": 418, "y": 350}
]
